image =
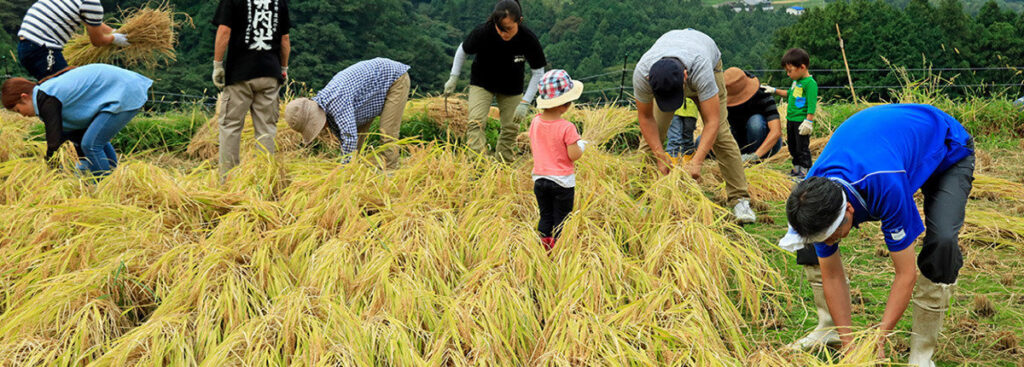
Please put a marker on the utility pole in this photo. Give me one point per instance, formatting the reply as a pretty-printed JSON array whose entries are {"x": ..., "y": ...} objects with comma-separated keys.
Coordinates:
[{"x": 622, "y": 79}]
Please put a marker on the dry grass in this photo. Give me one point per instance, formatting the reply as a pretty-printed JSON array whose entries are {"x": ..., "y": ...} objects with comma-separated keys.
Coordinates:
[
  {"x": 297, "y": 260},
  {"x": 151, "y": 34}
]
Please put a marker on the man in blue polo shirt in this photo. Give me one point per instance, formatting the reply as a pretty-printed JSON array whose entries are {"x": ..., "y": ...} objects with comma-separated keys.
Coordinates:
[{"x": 869, "y": 171}]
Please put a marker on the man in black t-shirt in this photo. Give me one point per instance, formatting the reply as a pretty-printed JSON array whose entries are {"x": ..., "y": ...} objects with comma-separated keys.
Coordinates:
[
  {"x": 254, "y": 33},
  {"x": 502, "y": 46}
]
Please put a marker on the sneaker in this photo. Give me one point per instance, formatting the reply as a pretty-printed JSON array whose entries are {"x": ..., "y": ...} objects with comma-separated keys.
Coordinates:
[{"x": 744, "y": 214}]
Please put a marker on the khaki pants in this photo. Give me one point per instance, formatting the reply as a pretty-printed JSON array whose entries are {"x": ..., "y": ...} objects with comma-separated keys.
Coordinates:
[
  {"x": 479, "y": 105},
  {"x": 390, "y": 120},
  {"x": 727, "y": 151},
  {"x": 258, "y": 96}
]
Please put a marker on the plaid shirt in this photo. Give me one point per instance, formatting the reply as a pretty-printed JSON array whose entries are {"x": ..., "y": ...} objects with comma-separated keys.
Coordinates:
[{"x": 356, "y": 95}]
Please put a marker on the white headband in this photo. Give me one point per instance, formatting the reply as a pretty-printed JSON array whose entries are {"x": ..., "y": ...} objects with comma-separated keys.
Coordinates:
[{"x": 794, "y": 241}]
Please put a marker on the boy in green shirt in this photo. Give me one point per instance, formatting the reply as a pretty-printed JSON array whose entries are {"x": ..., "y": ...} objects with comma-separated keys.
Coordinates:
[{"x": 802, "y": 104}]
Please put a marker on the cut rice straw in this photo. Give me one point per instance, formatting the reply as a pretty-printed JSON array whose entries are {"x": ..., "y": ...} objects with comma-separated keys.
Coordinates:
[{"x": 151, "y": 34}]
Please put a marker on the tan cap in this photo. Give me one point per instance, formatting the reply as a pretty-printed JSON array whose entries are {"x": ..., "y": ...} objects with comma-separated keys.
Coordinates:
[{"x": 306, "y": 117}]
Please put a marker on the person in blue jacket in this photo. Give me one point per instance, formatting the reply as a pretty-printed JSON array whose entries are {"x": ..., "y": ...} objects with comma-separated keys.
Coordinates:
[
  {"x": 870, "y": 170},
  {"x": 87, "y": 105}
]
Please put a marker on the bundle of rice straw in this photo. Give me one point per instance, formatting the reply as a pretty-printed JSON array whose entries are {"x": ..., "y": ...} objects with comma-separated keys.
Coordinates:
[{"x": 151, "y": 34}]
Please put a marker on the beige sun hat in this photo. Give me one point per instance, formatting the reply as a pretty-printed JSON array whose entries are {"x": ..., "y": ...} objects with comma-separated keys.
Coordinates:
[
  {"x": 306, "y": 117},
  {"x": 556, "y": 89}
]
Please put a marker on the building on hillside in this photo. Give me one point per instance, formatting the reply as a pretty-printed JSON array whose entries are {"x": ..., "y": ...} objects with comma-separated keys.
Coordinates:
[
  {"x": 795, "y": 10},
  {"x": 749, "y": 5}
]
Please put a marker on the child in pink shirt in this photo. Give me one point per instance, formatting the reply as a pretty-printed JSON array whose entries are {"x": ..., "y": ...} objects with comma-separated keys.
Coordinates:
[{"x": 556, "y": 145}]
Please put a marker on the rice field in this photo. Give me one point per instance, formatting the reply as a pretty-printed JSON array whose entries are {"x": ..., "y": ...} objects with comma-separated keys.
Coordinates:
[{"x": 298, "y": 260}]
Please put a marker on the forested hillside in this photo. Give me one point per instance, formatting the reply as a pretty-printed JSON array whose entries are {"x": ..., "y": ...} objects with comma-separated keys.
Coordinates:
[{"x": 593, "y": 37}]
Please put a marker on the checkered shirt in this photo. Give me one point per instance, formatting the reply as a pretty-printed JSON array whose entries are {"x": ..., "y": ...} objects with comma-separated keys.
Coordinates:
[
  {"x": 356, "y": 95},
  {"x": 554, "y": 84}
]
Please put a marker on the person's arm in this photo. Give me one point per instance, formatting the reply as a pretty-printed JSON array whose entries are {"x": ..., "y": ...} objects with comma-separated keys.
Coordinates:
[
  {"x": 649, "y": 130},
  {"x": 902, "y": 287},
  {"x": 286, "y": 48},
  {"x": 574, "y": 150},
  {"x": 770, "y": 111},
  {"x": 52, "y": 115},
  {"x": 710, "y": 114},
  {"x": 100, "y": 35},
  {"x": 774, "y": 133},
  {"x": 782, "y": 92},
  {"x": 837, "y": 295},
  {"x": 220, "y": 43}
]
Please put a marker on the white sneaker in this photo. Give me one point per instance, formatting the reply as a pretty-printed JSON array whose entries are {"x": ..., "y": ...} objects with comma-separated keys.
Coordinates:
[{"x": 744, "y": 214}]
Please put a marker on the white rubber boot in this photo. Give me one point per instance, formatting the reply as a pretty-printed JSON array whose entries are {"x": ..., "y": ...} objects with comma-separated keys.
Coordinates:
[
  {"x": 930, "y": 303},
  {"x": 825, "y": 333}
]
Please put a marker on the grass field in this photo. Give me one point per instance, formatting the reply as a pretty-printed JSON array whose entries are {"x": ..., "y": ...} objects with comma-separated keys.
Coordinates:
[{"x": 298, "y": 260}]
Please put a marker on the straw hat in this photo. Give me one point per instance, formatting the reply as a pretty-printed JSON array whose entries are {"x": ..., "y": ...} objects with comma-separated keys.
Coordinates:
[
  {"x": 306, "y": 117},
  {"x": 740, "y": 86}
]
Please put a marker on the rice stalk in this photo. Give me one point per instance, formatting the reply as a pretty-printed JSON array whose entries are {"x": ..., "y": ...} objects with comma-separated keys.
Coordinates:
[{"x": 151, "y": 33}]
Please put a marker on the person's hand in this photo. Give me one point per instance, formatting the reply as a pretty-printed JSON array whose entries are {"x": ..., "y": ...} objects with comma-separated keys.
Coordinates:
[
  {"x": 449, "y": 87},
  {"x": 582, "y": 144},
  {"x": 751, "y": 157},
  {"x": 120, "y": 40},
  {"x": 768, "y": 89},
  {"x": 664, "y": 162},
  {"x": 806, "y": 127},
  {"x": 693, "y": 169},
  {"x": 521, "y": 111},
  {"x": 218, "y": 74},
  {"x": 284, "y": 74}
]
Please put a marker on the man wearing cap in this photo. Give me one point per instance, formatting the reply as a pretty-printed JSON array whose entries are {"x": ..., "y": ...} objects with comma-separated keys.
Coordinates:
[
  {"x": 870, "y": 170},
  {"x": 686, "y": 64},
  {"x": 350, "y": 102}
]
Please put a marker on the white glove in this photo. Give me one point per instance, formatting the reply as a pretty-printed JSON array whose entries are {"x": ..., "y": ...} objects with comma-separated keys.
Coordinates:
[
  {"x": 521, "y": 111},
  {"x": 120, "y": 39},
  {"x": 284, "y": 74},
  {"x": 750, "y": 157},
  {"x": 806, "y": 127},
  {"x": 218, "y": 74},
  {"x": 449, "y": 87},
  {"x": 582, "y": 144},
  {"x": 768, "y": 89}
]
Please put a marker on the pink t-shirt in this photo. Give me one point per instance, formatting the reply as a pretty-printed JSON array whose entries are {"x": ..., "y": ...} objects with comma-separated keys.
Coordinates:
[{"x": 548, "y": 141}]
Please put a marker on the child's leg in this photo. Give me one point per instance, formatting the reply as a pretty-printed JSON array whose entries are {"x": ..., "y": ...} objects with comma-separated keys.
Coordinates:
[
  {"x": 544, "y": 203},
  {"x": 793, "y": 141},
  {"x": 564, "y": 199},
  {"x": 805, "y": 151},
  {"x": 689, "y": 126}
]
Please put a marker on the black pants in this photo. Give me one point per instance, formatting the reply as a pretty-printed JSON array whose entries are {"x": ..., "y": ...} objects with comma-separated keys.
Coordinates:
[
  {"x": 555, "y": 203},
  {"x": 945, "y": 204},
  {"x": 799, "y": 145}
]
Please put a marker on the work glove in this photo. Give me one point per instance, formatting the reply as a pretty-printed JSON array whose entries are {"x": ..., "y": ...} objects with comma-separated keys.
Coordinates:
[
  {"x": 449, "y": 87},
  {"x": 768, "y": 89},
  {"x": 218, "y": 74},
  {"x": 806, "y": 127},
  {"x": 521, "y": 111},
  {"x": 284, "y": 74},
  {"x": 582, "y": 144},
  {"x": 120, "y": 40},
  {"x": 750, "y": 158}
]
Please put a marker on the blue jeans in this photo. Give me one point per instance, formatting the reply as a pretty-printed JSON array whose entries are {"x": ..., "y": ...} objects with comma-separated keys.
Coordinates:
[
  {"x": 751, "y": 139},
  {"x": 100, "y": 157},
  {"x": 680, "y": 136},
  {"x": 39, "y": 60},
  {"x": 756, "y": 132}
]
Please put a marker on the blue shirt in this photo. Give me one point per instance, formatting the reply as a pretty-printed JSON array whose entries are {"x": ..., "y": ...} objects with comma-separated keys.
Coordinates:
[
  {"x": 881, "y": 156},
  {"x": 86, "y": 91},
  {"x": 356, "y": 95}
]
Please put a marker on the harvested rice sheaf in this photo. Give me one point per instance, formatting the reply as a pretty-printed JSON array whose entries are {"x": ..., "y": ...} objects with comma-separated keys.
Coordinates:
[
  {"x": 151, "y": 34},
  {"x": 299, "y": 260}
]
